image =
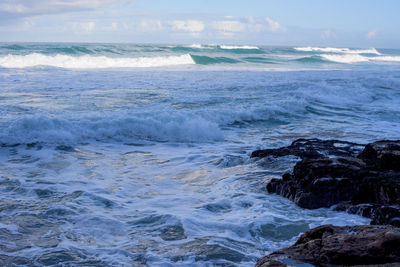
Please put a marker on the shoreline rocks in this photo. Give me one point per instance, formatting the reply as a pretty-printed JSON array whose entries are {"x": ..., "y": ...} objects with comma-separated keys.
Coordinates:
[
  {"x": 364, "y": 182},
  {"x": 329, "y": 245},
  {"x": 348, "y": 177}
]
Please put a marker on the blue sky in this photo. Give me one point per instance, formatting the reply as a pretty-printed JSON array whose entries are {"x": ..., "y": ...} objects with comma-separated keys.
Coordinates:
[{"x": 350, "y": 23}]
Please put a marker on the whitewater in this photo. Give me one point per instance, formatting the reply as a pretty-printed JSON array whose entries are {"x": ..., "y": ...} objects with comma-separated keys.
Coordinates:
[{"x": 139, "y": 154}]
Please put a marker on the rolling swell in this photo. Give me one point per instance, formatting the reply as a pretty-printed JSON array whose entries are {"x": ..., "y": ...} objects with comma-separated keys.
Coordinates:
[
  {"x": 72, "y": 50},
  {"x": 205, "y": 60},
  {"x": 13, "y": 47},
  {"x": 260, "y": 60},
  {"x": 312, "y": 60}
]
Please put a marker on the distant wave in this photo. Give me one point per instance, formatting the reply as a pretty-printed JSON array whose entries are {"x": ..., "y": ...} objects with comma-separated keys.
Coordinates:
[
  {"x": 200, "y": 46},
  {"x": 345, "y": 58},
  {"x": 359, "y": 58},
  {"x": 338, "y": 50},
  {"x": 387, "y": 58},
  {"x": 238, "y": 47},
  {"x": 205, "y": 60},
  {"x": 311, "y": 60},
  {"x": 91, "y": 62}
]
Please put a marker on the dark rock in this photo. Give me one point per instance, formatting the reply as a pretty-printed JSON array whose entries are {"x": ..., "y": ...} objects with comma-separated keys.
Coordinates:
[
  {"x": 312, "y": 149},
  {"x": 383, "y": 155},
  {"x": 368, "y": 185},
  {"x": 333, "y": 245},
  {"x": 386, "y": 215}
]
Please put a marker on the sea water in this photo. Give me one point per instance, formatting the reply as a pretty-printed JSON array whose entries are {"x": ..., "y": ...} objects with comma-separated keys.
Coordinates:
[{"x": 139, "y": 155}]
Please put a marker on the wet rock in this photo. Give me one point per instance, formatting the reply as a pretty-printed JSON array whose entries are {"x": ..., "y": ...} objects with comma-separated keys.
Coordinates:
[
  {"x": 386, "y": 215},
  {"x": 312, "y": 149},
  {"x": 323, "y": 183},
  {"x": 382, "y": 155},
  {"x": 338, "y": 246},
  {"x": 368, "y": 185}
]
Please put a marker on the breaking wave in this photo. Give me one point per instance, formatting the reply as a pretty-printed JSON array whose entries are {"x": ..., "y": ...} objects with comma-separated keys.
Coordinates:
[
  {"x": 337, "y": 50},
  {"x": 239, "y": 47},
  {"x": 131, "y": 128},
  {"x": 359, "y": 58},
  {"x": 91, "y": 62},
  {"x": 345, "y": 58}
]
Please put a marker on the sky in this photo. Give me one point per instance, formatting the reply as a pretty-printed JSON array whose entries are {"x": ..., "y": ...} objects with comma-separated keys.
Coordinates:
[{"x": 339, "y": 23}]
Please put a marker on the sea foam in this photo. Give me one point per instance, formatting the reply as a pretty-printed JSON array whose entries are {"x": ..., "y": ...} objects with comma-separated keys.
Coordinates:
[
  {"x": 387, "y": 58},
  {"x": 91, "y": 62},
  {"x": 354, "y": 58},
  {"x": 350, "y": 58},
  {"x": 338, "y": 50},
  {"x": 238, "y": 47}
]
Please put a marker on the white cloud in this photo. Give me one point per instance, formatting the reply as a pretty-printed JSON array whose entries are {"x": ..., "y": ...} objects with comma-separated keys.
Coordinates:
[
  {"x": 274, "y": 26},
  {"x": 371, "y": 34},
  {"x": 150, "y": 25},
  {"x": 229, "y": 26},
  {"x": 193, "y": 26},
  {"x": 88, "y": 26},
  {"x": 83, "y": 27}
]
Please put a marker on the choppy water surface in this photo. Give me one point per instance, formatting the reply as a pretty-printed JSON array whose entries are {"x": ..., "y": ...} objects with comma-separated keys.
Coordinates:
[{"x": 151, "y": 167}]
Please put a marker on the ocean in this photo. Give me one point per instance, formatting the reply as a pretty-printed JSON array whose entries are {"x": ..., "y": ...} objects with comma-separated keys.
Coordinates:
[{"x": 139, "y": 154}]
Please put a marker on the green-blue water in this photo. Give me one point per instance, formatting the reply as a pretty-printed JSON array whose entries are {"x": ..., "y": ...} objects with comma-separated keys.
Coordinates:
[{"x": 78, "y": 56}]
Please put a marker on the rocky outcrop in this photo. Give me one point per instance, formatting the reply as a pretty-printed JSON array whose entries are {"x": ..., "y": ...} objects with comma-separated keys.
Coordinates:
[
  {"x": 312, "y": 149},
  {"x": 367, "y": 184},
  {"x": 382, "y": 155},
  {"x": 329, "y": 245},
  {"x": 337, "y": 174}
]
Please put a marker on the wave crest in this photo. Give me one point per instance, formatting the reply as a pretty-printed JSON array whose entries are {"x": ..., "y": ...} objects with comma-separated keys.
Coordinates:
[
  {"x": 91, "y": 62},
  {"x": 345, "y": 58},
  {"x": 358, "y": 58},
  {"x": 162, "y": 128},
  {"x": 337, "y": 50},
  {"x": 229, "y": 47}
]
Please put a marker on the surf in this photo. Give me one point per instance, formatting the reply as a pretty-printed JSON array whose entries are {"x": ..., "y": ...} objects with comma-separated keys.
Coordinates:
[
  {"x": 337, "y": 50},
  {"x": 91, "y": 62}
]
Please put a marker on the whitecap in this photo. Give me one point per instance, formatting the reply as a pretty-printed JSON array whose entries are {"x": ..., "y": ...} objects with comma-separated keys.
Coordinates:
[
  {"x": 350, "y": 58},
  {"x": 337, "y": 50},
  {"x": 91, "y": 62},
  {"x": 387, "y": 58},
  {"x": 238, "y": 47}
]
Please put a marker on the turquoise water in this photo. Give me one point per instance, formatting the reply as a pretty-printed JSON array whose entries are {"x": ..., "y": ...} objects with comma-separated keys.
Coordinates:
[
  {"x": 81, "y": 56},
  {"x": 121, "y": 155}
]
